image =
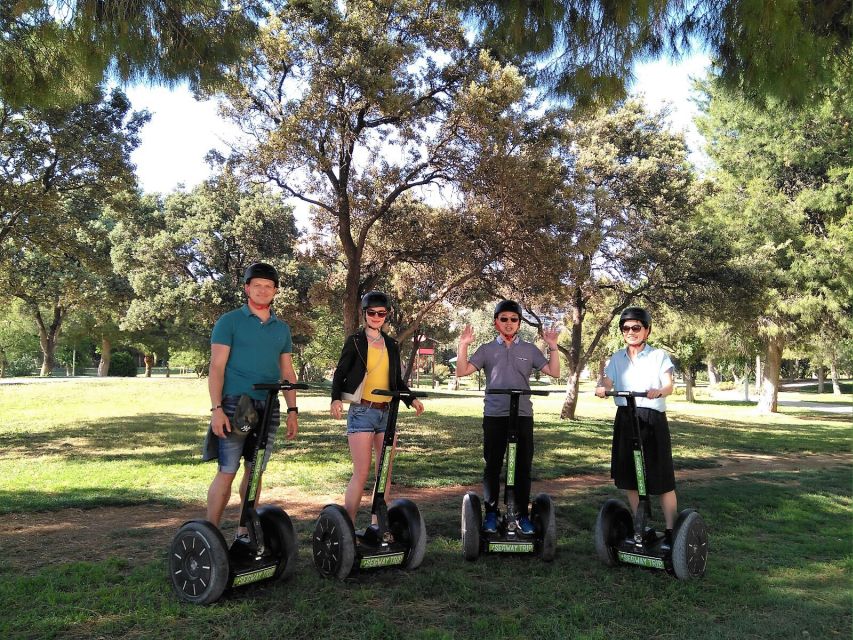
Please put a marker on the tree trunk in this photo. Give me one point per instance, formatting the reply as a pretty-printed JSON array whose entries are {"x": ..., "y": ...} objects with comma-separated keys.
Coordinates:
[
  {"x": 106, "y": 356},
  {"x": 570, "y": 403},
  {"x": 833, "y": 374},
  {"x": 713, "y": 374},
  {"x": 574, "y": 360},
  {"x": 821, "y": 378},
  {"x": 149, "y": 364},
  {"x": 407, "y": 374},
  {"x": 746, "y": 383},
  {"x": 769, "y": 396},
  {"x": 758, "y": 374},
  {"x": 689, "y": 380},
  {"x": 48, "y": 335}
]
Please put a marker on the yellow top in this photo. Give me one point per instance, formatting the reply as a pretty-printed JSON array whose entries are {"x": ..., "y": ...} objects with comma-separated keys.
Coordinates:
[{"x": 377, "y": 376}]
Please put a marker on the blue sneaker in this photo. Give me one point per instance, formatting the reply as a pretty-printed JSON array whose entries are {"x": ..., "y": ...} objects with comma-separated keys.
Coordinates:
[
  {"x": 525, "y": 526},
  {"x": 490, "y": 524}
]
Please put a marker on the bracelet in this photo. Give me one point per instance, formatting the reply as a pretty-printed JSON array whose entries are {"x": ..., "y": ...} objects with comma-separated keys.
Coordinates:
[
  {"x": 550, "y": 350},
  {"x": 219, "y": 406},
  {"x": 293, "y": 410}
]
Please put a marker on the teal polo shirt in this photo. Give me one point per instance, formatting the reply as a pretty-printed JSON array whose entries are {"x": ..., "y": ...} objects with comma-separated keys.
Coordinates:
[{"x": 256, "y": 348}]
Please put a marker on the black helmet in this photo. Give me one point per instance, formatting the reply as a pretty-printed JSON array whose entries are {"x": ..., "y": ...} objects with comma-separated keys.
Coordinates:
[
  {"x": 260, "y": 270},
  {"x": 508, "y": 305},
  {"x": 375, "y": 299},
  {"x": 636, "y": 313}
]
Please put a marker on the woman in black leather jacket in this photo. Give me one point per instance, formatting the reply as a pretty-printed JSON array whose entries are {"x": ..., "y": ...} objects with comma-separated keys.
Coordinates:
[{"x": 369, "y": 360}]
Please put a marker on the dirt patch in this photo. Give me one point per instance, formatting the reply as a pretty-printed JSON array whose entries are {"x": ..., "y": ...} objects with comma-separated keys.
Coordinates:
[{"x": 138, "y": 534}]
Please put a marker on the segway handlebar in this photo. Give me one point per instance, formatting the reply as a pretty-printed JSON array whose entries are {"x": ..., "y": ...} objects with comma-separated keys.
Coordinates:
[
  {"x": 284, "y": 385},
  {"x": 518, "y": 392},
  {"x": 399, "y": 394},
  {"x": 627, "y": 394}
]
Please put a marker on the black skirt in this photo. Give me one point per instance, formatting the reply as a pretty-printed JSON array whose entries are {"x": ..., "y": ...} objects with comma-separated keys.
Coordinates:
[{"x": 657, "y": 449}]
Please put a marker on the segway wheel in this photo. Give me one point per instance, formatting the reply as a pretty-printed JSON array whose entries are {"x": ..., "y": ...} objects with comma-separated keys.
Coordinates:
[
  {"x": 198, "y": 563},
  {"x": 334, "y": 543},
  {"x": 614, "y": 523},
  {"x": 407, "y": 526},
  {"x": 472, "y": 523},
  {"x": 280, "y": 540},
  {"x": 546, "y": 526},
  {"x": 689, "y": 546}
]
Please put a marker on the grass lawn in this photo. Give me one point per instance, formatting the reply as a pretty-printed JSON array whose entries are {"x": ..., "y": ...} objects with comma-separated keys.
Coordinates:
[{"x": 780, "y": 564}]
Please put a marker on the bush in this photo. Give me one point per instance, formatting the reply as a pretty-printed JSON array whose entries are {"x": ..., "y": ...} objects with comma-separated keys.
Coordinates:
[
  {"x": 22, "y": 365},
  {"x": 123, "y": 365}
]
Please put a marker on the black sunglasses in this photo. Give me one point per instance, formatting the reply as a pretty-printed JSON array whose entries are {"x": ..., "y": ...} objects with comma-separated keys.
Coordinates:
[
  {"x": 508, "y": 319},
  {"x": 631, "y": 328},
  {"x": 376, "y": 314}
]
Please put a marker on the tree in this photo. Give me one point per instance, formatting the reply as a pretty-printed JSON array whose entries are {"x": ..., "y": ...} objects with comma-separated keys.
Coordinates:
[
  {"x": 48, "y": 154},
  {"x": 55, "y": 52},
  {"x": 783, "y": 191},
  {"x": 19, "y": 343},
  {"x": 185, "y": 256},
  {"x": 627, "y": 231},
  {"x": 585, "y": 49},
  {"x": 354, "y": 106},
  {"x": 54, "y": 277}
]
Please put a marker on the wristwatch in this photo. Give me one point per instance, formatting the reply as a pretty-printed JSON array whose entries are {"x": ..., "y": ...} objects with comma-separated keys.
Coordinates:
[
  {"x": 219, "y": 406},
  {"x": 293, "y": 410}
]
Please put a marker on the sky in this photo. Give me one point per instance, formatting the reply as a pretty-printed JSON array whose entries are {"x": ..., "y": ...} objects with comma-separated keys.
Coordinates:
[{"x": 182, "y": 130}]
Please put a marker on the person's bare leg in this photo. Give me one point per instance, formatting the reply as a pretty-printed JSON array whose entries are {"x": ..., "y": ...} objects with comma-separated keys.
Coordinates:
[
  {"x": 217, "y": 496},
  {"x": 669, "y": 506},
  {"x": 360, "y": 445}
]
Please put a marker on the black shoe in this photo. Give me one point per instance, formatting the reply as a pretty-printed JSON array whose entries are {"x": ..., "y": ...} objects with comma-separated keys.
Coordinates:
[{"x": 666, "y": 543}]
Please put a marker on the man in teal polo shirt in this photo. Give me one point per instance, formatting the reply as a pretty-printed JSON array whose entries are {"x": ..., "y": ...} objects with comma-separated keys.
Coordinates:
[{"x": 249, "y": 345}]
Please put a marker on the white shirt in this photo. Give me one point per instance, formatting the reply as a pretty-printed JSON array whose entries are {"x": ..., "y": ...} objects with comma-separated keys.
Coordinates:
[{"x": 641, "y": 374}]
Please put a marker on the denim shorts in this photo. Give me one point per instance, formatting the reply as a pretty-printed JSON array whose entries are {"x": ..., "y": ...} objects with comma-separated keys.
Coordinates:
[
  {"x": 231, "y": 448},
  {"x": 363, "y": 419}
]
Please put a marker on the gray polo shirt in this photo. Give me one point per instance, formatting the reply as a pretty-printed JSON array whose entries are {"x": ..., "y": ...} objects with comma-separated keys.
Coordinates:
[{"x": 507, "y": 367}]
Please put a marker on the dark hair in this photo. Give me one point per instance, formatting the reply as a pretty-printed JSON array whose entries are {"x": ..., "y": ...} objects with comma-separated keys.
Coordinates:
[
  {"x": 508, "y": 305},
  {"x": 260, "y": 270}
]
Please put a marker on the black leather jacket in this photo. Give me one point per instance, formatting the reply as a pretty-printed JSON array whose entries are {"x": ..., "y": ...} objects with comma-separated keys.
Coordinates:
[{"x": 352, "y": 366}]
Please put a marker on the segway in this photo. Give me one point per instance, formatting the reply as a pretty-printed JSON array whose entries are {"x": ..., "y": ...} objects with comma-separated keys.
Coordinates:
[
  {"x": 202, "y": 567},
  {"x": 619, "y": 538},
  {"x": 398, "y": 539},
  {"x": 508, "y": 538}
]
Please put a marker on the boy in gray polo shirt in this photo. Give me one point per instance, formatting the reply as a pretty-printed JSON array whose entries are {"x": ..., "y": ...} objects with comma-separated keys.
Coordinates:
[{"x": 508, "y": 362}]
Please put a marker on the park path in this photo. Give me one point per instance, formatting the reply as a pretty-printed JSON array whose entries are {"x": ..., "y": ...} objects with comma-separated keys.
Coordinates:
[{"x": 137, "y": 534}]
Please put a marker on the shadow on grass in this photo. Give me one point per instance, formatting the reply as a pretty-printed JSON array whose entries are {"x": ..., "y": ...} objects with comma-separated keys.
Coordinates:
[{"x": 79, "y": 498}]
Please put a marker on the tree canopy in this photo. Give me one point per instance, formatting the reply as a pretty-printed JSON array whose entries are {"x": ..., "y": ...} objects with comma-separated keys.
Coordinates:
[
  {"x": 56, "y": 52},
  {"x": 585, "y": 49}
]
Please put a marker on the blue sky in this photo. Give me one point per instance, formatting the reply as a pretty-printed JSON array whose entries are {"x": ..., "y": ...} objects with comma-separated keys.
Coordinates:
[{"x": 182, "y": 130}]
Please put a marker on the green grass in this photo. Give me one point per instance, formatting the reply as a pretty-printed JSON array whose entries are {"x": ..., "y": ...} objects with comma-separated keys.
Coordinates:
[{"x": 780, "y": 564}]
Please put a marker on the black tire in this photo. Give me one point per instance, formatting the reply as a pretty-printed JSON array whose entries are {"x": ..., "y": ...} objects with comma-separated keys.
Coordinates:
[
  {"x": 408, "y": 527},
  {"x": 614, "y": 523},
  {"x": 546, "y": 526},
  {"x": 280, "y": 539},
  {"x": 198, "y": 563},
  {"x": 334, "y": 543},
  {"x": 472, "y": 523},
  {"x": 689, "y": 546}
]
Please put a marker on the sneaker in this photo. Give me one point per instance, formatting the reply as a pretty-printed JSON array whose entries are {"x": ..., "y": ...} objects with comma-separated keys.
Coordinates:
[
  {"x": 490, "y": 524},
  {"x": 242, "y": 538},
  {"x": 525, "y": 526}
]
